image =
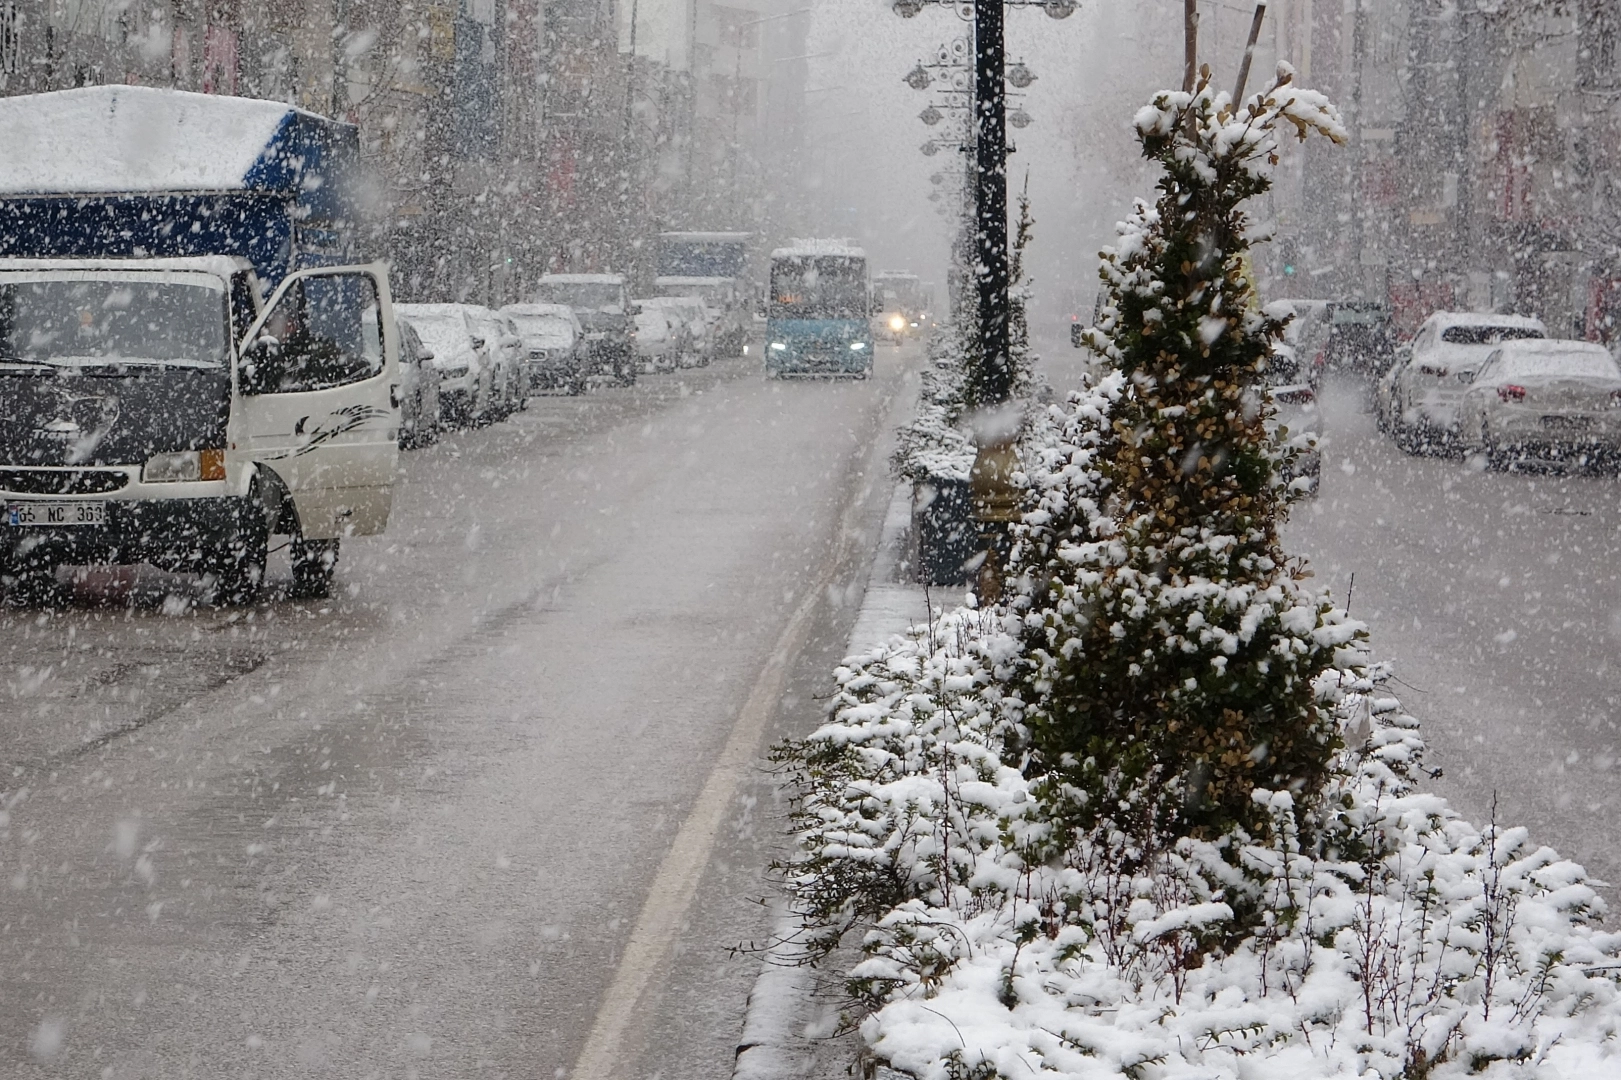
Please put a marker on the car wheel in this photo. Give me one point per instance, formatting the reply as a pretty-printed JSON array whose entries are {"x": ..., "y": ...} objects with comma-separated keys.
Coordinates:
[{"x": 314, "y": 563}]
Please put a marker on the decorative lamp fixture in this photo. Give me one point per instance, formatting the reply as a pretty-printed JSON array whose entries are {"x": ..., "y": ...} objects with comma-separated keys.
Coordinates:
[
  {"x": 918, "y": 78},
  {"x": 931, "y": 116},
  {"x": 1019, "y": 76},
  {"x": 930, "y": 149},
  {"x": 908, "y": 8},
  {"x": 1058, "y": 9},
  {"x": 1019, "y": 118}
]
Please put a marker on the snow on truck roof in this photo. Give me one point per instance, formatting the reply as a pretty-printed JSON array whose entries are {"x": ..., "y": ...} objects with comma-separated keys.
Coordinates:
[
  {"x": 582, "y": 279},
  {"x": 707, "y": 237},
  {"x": 804, "y": 248},
  {"x": 126, "y": 139},
  {"x": 221, "y": 266}
]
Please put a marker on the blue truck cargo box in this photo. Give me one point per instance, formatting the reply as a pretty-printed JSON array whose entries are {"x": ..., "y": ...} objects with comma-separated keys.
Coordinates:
[{"x": 143, "y": 172}]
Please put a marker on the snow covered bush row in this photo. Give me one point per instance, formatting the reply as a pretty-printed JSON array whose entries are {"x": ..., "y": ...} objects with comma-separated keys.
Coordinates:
[
  {"x": 1155, "y": 816},
  {"x": 1397, "y": 941}
]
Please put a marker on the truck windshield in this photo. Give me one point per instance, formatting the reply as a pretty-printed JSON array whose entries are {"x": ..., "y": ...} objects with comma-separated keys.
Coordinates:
[
  {"x": 592, "y": 296},
  {"x": 819, "y": 287},
  {"x": 100, "y": 320}
]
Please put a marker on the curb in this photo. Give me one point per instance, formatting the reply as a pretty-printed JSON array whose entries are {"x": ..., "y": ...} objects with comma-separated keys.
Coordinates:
[{"x": 780, "y": 1039}]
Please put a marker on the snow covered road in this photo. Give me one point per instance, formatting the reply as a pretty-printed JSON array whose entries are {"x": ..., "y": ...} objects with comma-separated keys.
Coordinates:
[
  {"x": 410, "y": 830},
  {"x": 1498, "y": 597}
]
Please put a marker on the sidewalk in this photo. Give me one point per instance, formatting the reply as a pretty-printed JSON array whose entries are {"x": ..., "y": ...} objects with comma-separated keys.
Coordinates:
[{"x": 793, "y": 1010}]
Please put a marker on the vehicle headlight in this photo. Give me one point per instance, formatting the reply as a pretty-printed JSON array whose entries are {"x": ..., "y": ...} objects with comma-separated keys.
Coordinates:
[
  {"x": 184, "y": 465},
  {"x": 779, "y": 346},
  {"x": 897, "y": 322},
  {"x": 857, "y": 346}
]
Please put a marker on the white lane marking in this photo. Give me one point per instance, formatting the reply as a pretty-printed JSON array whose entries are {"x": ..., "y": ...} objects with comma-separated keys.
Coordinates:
[{"x": 677, "y": 881}]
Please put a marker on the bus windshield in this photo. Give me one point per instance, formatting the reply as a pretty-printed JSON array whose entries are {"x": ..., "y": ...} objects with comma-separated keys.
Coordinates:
[{"x": 819, "y": 287}]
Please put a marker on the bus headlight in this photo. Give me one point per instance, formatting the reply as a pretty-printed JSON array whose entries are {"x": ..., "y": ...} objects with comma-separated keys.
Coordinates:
[
  {"x": 778, "y": 346},
  {"x": 857, "y": 346},
  {"x": 897, "y": 323}
]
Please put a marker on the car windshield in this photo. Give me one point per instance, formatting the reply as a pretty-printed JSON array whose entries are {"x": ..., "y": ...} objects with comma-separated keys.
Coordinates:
[
  {"x": 100, "y": 320},
  {"x": 1488, "y": 335},
  {"x": 588, "y": 295},
  {"x": 546, "y": 327},
  {"x": 443, "y": 335}
]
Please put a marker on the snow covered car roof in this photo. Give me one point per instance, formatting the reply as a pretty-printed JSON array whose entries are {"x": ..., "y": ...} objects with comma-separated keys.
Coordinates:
[
  {"x": 1445, "y": 319},
  {"x": 127, "y": 139},
  {"x": 536, "y": 311},
  {"x": 677, "y": 279},
  {"x": 582, "y": 279},
  {"x": 801, "y": 248},
  {"x": 707, "y": 237}
]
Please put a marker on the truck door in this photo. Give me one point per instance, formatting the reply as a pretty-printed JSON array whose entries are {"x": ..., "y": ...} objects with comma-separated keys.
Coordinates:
[{"x": 317, "y": 398}]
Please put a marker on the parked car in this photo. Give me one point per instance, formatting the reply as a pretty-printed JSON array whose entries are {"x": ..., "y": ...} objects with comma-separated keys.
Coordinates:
[
  {"x": 690, "y": 314},
  {"x": 501, "y": 340},
  {"x": 659, "y": 339},
  {"x": 1544, "y": 400},
  {"x": 1417, "y": 399},
  {"x": 419, "y": 390},
  {"x": 603, "y": 304},
  {"x": 1294, "y": 405},
  {"x": 460, "y": 353},
  {"x": 552, "y": 346}
]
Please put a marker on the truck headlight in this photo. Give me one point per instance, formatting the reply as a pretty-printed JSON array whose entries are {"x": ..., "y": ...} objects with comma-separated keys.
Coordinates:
[
  {"x": 857, "y": 346},
  {"x": 184, "y": 465},
  {"x": 779, "y": 346}
]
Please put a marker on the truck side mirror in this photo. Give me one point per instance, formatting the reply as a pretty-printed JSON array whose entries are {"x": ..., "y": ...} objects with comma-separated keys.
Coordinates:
[{"x": 260, "y": 369}]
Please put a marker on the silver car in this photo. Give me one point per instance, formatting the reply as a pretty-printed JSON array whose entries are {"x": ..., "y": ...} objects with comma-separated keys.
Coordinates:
[
  {"x": 553, "y": 346},
  {"x": 1544, "y": 401},
  {"x": 1417, "y": 399}
]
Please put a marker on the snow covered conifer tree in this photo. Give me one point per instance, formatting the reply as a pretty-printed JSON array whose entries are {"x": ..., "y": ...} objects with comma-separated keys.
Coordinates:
[{"x": 1173, "y": 644}]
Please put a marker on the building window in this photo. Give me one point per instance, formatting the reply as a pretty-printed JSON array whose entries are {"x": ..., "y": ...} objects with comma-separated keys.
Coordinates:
[{"x": 11, "y": 38}]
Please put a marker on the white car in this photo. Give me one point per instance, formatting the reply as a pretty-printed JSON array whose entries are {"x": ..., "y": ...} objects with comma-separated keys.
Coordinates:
[
  {"x": 466, "y": 372},
  {"x": 690, "y": 314},
  {"x": 553, "y": 346},
  {"x": 1417, "y": 399},
  {"x": 659, "y": 339},
  {"x": 419, "y": 391},
  {"x": 1546, "y": 400}
]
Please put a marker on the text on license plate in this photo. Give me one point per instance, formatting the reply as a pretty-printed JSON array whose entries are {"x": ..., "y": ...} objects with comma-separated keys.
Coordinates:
[{"x": 56, "y": 513}]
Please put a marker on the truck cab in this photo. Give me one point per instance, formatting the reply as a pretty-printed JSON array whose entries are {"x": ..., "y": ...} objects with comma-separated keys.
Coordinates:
[{"x": 159, "y": 411}]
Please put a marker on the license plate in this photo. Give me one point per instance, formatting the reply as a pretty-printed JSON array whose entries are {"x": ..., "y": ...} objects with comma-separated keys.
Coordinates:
[{"x": 56, "y": 513}]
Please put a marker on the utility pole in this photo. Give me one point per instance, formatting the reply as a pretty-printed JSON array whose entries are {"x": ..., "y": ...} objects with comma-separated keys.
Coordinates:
[{"x": 990, "y": 201}]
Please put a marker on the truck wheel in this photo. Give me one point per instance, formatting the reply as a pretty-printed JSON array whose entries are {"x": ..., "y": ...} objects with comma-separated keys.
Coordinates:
[
  {"x": 314, "y": 562},
  {"x": 239, "y": 569}
]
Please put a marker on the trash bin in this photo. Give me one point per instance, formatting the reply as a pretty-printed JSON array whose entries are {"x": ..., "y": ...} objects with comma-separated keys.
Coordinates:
[{"x": 947, "y": 535}]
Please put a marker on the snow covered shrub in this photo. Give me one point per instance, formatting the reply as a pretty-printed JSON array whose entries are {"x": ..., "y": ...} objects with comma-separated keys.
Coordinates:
[{"x": 1174, "y": 647}]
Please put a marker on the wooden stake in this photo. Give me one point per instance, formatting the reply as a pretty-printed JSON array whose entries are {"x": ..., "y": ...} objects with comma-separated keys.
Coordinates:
[
  {"x": 1190, "y": 39},
  {"x": 1249, "y": 54}
]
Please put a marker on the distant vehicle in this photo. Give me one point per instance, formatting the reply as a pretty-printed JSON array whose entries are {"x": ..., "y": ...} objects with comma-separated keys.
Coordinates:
[
  {"x": 899, "y": 298},
  {"x": 419, "y": 391},
  {"x": 510, "y": 387},
  {"x": 1294, "y": 405},
  {"x": 1417, "y": 399},
  {"x": 818, "y": 311},
  {"x": 699, "y": 347},
  {"x": 1305, "y": 334},
  {"x": 1359, "y": 338},
  {"x": 660, "y": 338},
  {"x": 553, "y": 346},
  {"x": 462, "y": 357},
  {"x": 713, "y": 267},
  {"x": 603, "y": 306},
  {"x": 1544, "y": 401}
]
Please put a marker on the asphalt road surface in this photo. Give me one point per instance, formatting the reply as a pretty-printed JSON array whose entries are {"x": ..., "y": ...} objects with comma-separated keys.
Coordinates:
[
  {"x": 1497, "y": 597},
  {"x": 497, "y": 808}
]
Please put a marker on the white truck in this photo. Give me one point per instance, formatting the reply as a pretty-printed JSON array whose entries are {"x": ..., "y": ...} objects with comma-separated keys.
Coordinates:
[{"x": 190, "y": 358}]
